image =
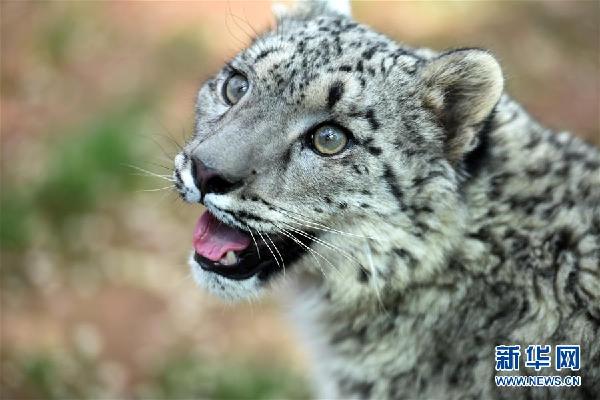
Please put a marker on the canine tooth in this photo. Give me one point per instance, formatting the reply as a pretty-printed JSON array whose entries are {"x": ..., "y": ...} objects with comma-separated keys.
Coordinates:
[{"x": 229, "y": 259}]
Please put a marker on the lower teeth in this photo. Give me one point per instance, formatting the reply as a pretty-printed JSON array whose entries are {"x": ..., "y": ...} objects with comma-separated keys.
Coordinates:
[{"x": 229, "y": 259}]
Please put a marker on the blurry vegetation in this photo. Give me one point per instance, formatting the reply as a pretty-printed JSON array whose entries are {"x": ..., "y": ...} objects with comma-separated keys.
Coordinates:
[
  {"x": 182, "y": 376},
  {"x": 46, "y": 375},
  {"x": 15, "y": 229},
  {"x": 92, "y": 164},
  {"x": 85, "y": 166}
]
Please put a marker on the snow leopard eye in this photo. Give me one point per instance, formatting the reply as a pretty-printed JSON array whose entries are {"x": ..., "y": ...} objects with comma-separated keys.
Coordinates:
[
  {"x": 235, "y": 88},
  {"x": 328, "y": 140}
]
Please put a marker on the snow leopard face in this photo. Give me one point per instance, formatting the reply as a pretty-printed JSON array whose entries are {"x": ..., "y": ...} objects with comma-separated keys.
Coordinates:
[{"x": 326, "y": 148}]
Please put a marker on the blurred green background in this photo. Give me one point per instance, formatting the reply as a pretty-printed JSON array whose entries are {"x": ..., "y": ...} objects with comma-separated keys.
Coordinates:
[{"x": 96, "y": 298}]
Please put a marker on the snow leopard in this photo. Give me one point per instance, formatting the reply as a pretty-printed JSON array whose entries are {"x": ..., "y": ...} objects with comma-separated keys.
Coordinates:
[{"x": 410, "y": 213}]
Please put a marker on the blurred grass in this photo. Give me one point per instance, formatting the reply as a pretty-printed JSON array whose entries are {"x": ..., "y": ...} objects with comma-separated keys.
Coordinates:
[
  {"x": 184, "y": 377},
  {"x": 47, "y": 375},
  {"x": 15, "y": 219},
  {"x": 90, "y": 163}
]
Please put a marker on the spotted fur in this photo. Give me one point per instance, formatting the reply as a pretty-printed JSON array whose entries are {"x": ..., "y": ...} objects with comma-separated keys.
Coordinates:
[{"x": 453, "y": 223}]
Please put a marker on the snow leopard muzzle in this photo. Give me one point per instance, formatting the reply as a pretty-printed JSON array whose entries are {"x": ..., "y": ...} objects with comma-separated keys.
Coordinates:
[{"x": 236, "y": 254}]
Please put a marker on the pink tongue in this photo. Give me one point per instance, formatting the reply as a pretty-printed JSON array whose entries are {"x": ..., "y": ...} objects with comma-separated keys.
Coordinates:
[{"x": 213, "y": 239}]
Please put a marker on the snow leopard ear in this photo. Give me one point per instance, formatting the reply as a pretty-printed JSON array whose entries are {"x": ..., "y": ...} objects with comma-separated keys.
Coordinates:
[
  {"x": 311, "y": 8},
  {"x": 462, "y": 87}
]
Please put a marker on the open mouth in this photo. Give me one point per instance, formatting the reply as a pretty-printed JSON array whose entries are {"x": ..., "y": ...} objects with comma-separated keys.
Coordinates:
[{"x": 236, "y": 254}]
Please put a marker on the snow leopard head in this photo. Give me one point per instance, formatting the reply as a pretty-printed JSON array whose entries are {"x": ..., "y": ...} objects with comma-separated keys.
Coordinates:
[{"x": 328, "y": 150}]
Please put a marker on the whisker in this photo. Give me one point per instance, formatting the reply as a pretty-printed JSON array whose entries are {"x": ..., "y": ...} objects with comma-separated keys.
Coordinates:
[
  {"x": 277, "y": 250},
  {"x": 317, "y": 225},
  {"x": 326, "y": 244},
  {"x": 183, "y": 136},
  {"x": 166, "y": 194},
  {"x": 374, "y": 285},
  {"x": 254, "y": 240},
  {"x": 175, "y": 142},
  {"x": 311, "y": 251},
  {"x": 169, "y": 136},
  {"x": 155, "y": 190},
  {"x": 243, "y": 43},
  {"x": 154, "y": 139},
  {"x": 164, "y": 151},
  {"x": 235, "y": 20},
  {"x": 168, "y": 177},
  {"x": 268, "y": 247},
  {"x": 161, "y": 166},
  {"x": 149, "y": 173}
]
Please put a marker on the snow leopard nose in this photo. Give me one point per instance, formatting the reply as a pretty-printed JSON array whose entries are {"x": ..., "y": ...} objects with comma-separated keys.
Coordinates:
[{"x": 209, "y": 180}]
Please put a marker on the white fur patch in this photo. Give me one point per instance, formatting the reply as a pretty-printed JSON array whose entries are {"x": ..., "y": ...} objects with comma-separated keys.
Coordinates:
[
  {"x": 226, "y": 289},
  {"x": 339, "y": 6},
  {"x": 184, "y": 166}
]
